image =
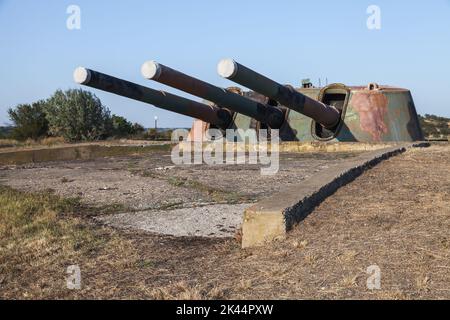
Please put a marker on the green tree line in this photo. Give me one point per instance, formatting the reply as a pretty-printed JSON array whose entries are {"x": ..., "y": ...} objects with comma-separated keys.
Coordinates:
[{"x": 435, "y": 126}]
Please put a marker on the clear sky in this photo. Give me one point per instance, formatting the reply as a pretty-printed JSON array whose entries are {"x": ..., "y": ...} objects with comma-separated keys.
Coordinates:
[{"x": 286, "y": 40}]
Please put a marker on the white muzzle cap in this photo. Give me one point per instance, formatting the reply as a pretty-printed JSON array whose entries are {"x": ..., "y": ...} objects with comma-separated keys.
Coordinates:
[
  {"x": 151, "y": 70},
  {"x": 81, "y": 75},
  {"x": 227, "y": 68}
]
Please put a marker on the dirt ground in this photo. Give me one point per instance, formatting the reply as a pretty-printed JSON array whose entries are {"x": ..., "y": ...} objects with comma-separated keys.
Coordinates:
[
  {"x": 396, "y": 216},
  {"x": 152, "y": 194}
]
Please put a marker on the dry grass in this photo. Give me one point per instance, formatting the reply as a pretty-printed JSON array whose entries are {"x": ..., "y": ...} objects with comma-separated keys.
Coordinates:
[
  {"x": 395, "y": 216},
  {"x": 8, "y": 143},
  {"x": 40, "y": 235},
  {"x": 349, "y": 281},
  {"x": 52, "y": 141},
  {"x": 183, "y": 291},
  {"x": 46, "y": 142}
]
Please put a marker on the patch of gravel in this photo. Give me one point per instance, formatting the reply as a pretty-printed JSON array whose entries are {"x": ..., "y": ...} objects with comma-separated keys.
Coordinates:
[
  {"x": 103, "y": 186},
  {"x": 216, "y": 221}
]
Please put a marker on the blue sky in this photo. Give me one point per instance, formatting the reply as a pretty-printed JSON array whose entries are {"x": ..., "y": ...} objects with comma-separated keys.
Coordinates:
[{"x": 286, "y": 40}]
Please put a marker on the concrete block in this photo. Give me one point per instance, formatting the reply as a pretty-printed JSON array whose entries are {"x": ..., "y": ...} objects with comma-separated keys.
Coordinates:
[{"x": 272, "y": 217}]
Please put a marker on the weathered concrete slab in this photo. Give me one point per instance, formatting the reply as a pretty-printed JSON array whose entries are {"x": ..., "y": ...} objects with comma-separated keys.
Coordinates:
[
  {"x": 217, "y": 221},
  {"x": 272, "y": 217},
  {"x": 151, "y": 181}
]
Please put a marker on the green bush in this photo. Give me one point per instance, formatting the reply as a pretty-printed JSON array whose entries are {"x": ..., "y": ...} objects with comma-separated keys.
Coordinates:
[
  {"x": 137, "y": 129},
  {"x": 6, "y": 132},
  {"x": 160, "y": 134},
  {"x": 78, "y": 115},
  {"x": 75, "y": 115},
  {"x": 29, "y": 121},
  {"x": 435, "y": 127},
  {"x": 123, "y": 128}
]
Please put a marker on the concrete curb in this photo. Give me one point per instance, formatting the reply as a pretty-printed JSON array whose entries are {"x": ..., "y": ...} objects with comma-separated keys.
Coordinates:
[
  {"x": 76, "y": 152},
  {"x": 273, "y": 217}
]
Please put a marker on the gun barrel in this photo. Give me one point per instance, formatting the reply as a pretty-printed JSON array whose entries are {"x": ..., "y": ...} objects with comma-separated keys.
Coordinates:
[
  {"x": 324, "y": 114},
  {"x": 273, "y": 116},
  {"x": 211, "y": 114}
]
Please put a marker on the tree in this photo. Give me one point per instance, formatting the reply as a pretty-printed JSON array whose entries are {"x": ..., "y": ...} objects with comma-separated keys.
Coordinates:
[
  {"x": 121, "y": 127},
  {"x": 29, "y": 121},
  {"x": 137, "y": 128},
  {"x": 77, "y": 115}
]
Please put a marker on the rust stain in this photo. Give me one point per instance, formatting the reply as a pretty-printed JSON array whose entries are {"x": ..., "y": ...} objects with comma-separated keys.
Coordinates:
[
  {"x": 197, "y": 131},
  {"x": 372, "y": 107}
]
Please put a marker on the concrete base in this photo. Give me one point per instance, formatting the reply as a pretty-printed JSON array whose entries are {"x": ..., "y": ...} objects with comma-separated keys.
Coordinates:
[
  {"x": 86, "y": 151},
  {"x": 271, "y": 218},
  {"x": 296, "y": 146},
  {"x": 209, "y": 221}
]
